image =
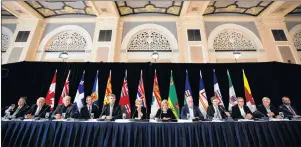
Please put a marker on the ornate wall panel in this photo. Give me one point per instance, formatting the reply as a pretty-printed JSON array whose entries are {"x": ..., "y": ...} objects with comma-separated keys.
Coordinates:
[{"x": 230, "y": 39}]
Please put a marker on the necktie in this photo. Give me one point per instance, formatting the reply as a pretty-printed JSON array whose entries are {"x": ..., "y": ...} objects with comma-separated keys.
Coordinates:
[
  {"x": 218, "y": 113},
  {"x": 90, "y": 109},
  {"x": 292, "y": 110}
]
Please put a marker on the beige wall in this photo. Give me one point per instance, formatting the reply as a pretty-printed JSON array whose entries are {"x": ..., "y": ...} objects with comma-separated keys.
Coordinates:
[{"x": 196, "y": 52}]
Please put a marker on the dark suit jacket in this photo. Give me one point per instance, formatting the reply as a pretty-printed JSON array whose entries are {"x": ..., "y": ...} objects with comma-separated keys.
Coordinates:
[
  {"x": 236, "y": 112},
  {"x": 264, "y": 112},
  {"x": 84, "y": 112},
  {"x": 21, "y": 112},
  {"x": 60, "y": 108},
  {"x": 116, "y": 111},
  {"x": 43, "y": 111},
  {"x": 287, "y": 113},
  {"x": 168, "y": 114},
  {"x": 196, "y": 112},
  {"x": 135, "y": 114},
  {"x": 211, "y": 111}
]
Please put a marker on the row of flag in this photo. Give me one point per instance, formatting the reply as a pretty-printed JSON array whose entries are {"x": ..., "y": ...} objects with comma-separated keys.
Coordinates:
[{"x": 156, "y": 97}]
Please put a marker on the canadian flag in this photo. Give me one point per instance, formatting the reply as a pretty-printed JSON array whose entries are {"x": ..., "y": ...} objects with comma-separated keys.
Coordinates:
[
  {"x": 51, "y": 93},
  {"x": 65, "y": 91}
]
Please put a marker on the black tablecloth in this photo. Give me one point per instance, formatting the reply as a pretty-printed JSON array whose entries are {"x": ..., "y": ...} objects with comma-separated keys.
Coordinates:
[{"x": 145, "y": 134}]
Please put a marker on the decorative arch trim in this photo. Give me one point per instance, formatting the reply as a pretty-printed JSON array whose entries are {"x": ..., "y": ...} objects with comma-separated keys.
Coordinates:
[
  {"x": 293, "y": 31},
  {"x": 10, "y": 34},
  {"x": 249, "y": 34},
  {"x": 58, "y": 30},
  {"x": 171, "y": 38}
]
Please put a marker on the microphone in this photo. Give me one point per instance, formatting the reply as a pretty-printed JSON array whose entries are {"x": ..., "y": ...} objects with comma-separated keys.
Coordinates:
[
  {"x": 134, "y": 113},
  {"x": 102, "y": 110},
  {"x": 160, "y": 113},
  {"x": 260, "y": 113},
  {"x": 43, "y": 111}
]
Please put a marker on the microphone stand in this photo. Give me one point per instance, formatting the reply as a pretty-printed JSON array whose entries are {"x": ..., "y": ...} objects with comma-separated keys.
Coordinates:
[
  {"x": 134, "y": 113},
  {"x": 264, "y": 117}
]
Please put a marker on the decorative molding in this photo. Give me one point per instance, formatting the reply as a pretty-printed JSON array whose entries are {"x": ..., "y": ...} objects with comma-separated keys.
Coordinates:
[
  {"x": 254, "y": 9},
  {"x": 125, "y": 9}
]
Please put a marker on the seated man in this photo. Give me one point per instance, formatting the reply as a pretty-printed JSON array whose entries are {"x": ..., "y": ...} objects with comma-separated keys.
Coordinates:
[
  {"x": 85, "y": 111},
  {"x": 217, "y": 111},
  {"x": 39, "y": 109},
  {"x": 266, "y": 109},
  {"x": 240, "y": 111},
  {"x": 20, "y": 111},
  {"x": 192, "y": 110},
  {"x": 288, "y": 110},
  {"x": 66, "y": 108},
  {"x": 111, "y": 110}
]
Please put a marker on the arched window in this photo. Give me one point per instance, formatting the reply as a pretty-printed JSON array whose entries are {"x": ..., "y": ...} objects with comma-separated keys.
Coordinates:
[
  {"x": 69, "y": 41},
  {"x": 231, "y": 39},
  {"x": 149, "y": 40}
]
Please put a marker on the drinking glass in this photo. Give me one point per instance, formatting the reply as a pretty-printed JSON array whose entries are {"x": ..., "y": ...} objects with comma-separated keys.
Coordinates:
[
  {"x": 188, "y": 116},
  {"x": 63, "y": 115},
  {"x": 92, "y": 116},
  {"x": 47, "y": 115}
]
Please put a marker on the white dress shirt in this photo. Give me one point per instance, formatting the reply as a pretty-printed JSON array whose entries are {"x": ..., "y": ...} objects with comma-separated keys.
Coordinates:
[
  {"x": 217, "y": 113},
  {"x": 111, "y": 109},
  {"x": 191, "y": 112},
  {"x": 37, "y": 111},
  {"x": 242, "y": 111}
]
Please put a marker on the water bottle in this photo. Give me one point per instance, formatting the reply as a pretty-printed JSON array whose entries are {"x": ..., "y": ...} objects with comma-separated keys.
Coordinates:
[
  {"x": 281, "y": 115},
  {"x": 123, "y": 116}
]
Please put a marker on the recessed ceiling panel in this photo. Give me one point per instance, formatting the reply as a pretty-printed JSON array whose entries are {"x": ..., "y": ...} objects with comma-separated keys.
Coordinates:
[{"x": 55, "y": 8}]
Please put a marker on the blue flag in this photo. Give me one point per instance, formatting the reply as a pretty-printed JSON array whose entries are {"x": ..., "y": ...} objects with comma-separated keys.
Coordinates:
[
  {"x": 187, "y": 88},
  {"x": 217, "y": 91},
  {"x": 203, "y": 102},
  {"x": 80, "y": 96},
  {"x": 94, "y": 94}
]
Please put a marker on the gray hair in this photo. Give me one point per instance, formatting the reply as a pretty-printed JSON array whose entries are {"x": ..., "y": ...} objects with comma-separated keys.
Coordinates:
[{"x": 266, "y": 98}]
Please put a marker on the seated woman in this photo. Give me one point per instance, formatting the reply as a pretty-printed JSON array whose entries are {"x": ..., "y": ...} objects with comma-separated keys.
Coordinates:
[
  {"x": 140, "y": 111},
  {"x": 165, "y": 113}
]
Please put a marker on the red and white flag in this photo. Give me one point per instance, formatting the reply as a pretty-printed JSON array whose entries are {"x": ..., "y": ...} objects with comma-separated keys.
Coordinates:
[
  {"x": 124, "y": 98},
  {"x": 65, "y": 91},
  {"x": 51, "y": 92}
]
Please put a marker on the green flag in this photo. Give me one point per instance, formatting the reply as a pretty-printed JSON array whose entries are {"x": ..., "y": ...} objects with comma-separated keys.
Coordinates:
[{"x": 173, "y": 99}]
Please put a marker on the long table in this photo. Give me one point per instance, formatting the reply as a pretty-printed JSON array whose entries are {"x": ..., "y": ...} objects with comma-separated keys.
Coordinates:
[{"x": 147, "y": 134}]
